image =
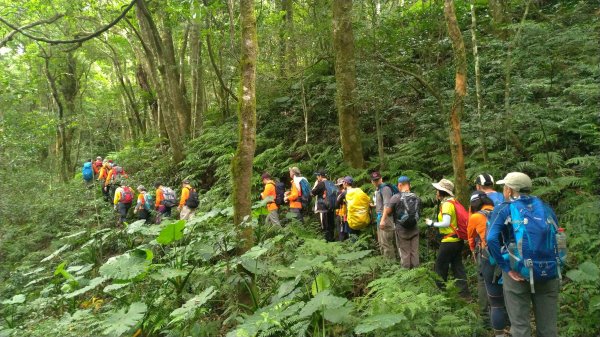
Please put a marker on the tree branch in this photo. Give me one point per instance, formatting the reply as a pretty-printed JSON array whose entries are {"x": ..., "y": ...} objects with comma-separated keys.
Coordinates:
[
  {"x": 10, "y": 35},
  {"x": 79, "y": 40}
]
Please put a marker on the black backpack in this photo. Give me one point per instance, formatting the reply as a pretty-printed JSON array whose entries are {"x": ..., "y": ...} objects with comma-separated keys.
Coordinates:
[
  {"x": 192, "y": 200},
  {"x": 279, "y": 193},
  {"x": 331, "y": 195},
  {"x": 411, "y": 208}
]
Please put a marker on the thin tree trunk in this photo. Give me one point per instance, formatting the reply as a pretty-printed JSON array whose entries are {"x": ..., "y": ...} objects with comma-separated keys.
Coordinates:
[
  {"x": 241, "y": 166},
  {"x": 290, "y": 41},
  {"x": 345, "y": 77},
  {"x": 478, "y": 83},
  {"x": 507, "y": 78},
  {"x": 305, "y": 110},
  {"x": 197, "y": 75},
  {"x": 379, "y": 139},
  {"x": 460, "y": 90}
]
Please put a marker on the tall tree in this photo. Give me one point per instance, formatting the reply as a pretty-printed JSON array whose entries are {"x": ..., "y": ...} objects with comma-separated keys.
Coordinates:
[
  {"x": 345, "y": 78},
  {"x": 241, "y": 165},
  {"x": 460, "y": 90},
  {"x": 478, "y": 82}
]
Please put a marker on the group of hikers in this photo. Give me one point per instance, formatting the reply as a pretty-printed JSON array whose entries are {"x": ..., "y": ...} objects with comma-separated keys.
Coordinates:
[
  {"x": 112, "y": 179},
  {"x": 514, "y": 237}
]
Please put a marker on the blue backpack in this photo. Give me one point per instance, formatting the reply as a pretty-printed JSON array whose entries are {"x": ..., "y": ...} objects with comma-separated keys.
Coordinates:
[
  {"x": 534, "y": 253},
  {"x": 305, "y": 196},
  {"x": 331, "y": 195},
  {"x": 88, "y": 173},
  {"x": 148, "y": 202}
]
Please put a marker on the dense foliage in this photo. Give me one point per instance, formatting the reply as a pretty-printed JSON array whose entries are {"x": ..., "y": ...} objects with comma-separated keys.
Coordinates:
[{"x": 66, "y": 270}]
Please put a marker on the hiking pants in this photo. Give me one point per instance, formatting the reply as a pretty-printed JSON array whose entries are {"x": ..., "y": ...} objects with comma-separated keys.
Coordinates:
[
  {"x": 187, "y": 213},
  {"x": 482, "y": 295},
  {"x": 105, "y": 192},
  {"x": 408, "y": 249},
  {"x": 143, "y": 214},
  {"x": 123, "y": 209},
  {"x": 273, "y": 218},
  {"x": 297, "y": 214},
  {"x": 387, "y": 242},
  {"x": 498, "y": 317},
  {"x": 449, "y": 255},
  {"x": 163, "y": 211},
  {"x": 327, "y": 224},
  {"x": 519, "y": 299}
]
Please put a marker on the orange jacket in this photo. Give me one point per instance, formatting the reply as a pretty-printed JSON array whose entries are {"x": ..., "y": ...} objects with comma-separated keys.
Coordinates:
[
  {"x": 96, "y": 166},
  {"x": 110, "y": 175},
  {"x": 159, "y": 196},
  {"x": 185, "y": 194},
  {"x": 294, "y": 197},
  {"x": 140, "y": 201},
  {"x": 103, "y": 172},
  {"x": 269, "y": 191},
  {"x": 476, "y": 228}
]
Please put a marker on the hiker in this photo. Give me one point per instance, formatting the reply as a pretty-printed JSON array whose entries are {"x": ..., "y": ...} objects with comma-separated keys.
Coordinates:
[
  {"x": 481, "y": 209},
  {"x": 386, "y": 235},
  {"x": 294, "y": 196},
  {"x": 188, "y": 202},
  {"x": 485, "y": 183},
  {"x": 115, "y": 174},
  {"x": 404, "y": 209},
  {"x": 122, "y": 201},
  {"x": 106, "y": 166},
  {"x": 87, "y": 172},
  {"x": 144, "y": 204},
  {"x": 358, "y": 206},
  {"x": 270, "y": 192},
  {"x": 97, "y": 165},
  {"x": 451, "y": 246},
  {"x": 326, "y": 193},
  {"x": 532, "y": 274},
  {"x": 341, "y": 211},
  {"x": 165, "y": 200}
]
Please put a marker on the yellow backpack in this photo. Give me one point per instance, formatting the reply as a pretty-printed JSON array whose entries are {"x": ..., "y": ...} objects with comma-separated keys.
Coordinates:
[{"x": 359, "y": 211}]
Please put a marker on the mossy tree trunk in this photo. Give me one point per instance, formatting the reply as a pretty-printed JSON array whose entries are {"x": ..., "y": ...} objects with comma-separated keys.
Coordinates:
[
  {"x": 241, "y": 166},
  {"x": 460, "y": 90},
  {"x": 345, "y": 78}
]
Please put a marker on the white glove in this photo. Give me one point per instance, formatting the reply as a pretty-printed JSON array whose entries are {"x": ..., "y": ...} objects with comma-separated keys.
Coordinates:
[{"x": 429, "y": 222}]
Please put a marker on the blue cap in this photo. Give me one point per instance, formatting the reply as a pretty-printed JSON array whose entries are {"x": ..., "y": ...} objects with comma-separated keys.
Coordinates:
[
  {"x": 403, "y": 179},
  {"x": 348, "y": 180}
]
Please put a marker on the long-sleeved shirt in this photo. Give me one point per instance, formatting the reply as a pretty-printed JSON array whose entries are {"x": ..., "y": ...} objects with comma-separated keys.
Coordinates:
[
  {"x": 103, "y": 173},
  {"x": 270, "y": 192},
  {"x": 96, "y": 166},
  {"x": 476, "y": 228},
  {"x": 141, "y": 201},
  {"x": 160, "y": 196},
  {"x": 340, "y": 204},
  {"x": 185, "y": 194},
  {"x": 112, "y": 173},
  {"x": 319, "y": 191},
  {"x": 294, "y": 197},
  {"x": 119, "y": 194}
]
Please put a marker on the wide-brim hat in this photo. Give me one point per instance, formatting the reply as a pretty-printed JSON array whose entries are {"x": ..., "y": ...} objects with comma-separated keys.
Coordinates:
[{"x": 444, "y": 185}]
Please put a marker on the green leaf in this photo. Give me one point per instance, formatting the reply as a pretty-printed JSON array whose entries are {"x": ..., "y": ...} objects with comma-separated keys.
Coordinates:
[
  {"x": 188, "y": 310},
  {"x": 353, "y": 256},
  {"x": 115, "y": 286},
  {"x": 121, "y": 321},
  {"x": 339, "y": 315},
  {"x": 378, "y": 322},
  {"x": 92, "y": 284},
  {"x": 127, "y": 266},
  {"x": 595, "y": 303},
  {"x": 172, "y": 232},
  {"x": 136, "y": 226},
  {"x": 56, "y": 252},
  {"x": 17, "y": 299},
  {"x": 321, "y": 283},
  {"x": 166, "y": 273},
  {"x": 587, "y": 271},
  {"x": 323, "y": 300}
]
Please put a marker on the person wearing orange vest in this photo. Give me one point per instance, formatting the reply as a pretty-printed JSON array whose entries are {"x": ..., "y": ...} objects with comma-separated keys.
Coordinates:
[
  {"x": 293, "y": 196},
  {"x": 115, "y": 174},
  {"x": 97, "y": 165},
  {"x": 163, "y": 204},
  {"x": 122, "y": 201},
  {"x": 141, "y": 208},
  {"x": 106, "y": 166},
  {"x": 270, "y": 193},
  {"x": 185, "y": 211}
]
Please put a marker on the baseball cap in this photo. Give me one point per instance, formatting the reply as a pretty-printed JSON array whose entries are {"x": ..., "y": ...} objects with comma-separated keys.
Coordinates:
[
  {"x": 340, "y": 181},
  {"x": 186, "y": 181},
  {"x": 484, "y": 180},
  {"x": 348, "y": 180},
  {"x": 518, "y": 181},
  {"x": 265, "y": 176},
  {"x": 375, "y": 175},
  {"x": 444, "y": 185},
  {"x": 403, "y": 179}
]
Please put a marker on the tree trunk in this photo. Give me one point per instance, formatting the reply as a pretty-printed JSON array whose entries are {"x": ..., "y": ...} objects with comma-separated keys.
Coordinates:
[
  {"x": 198, "y": 93},
  {"x": 172, "y": 106},
  {"x": 478, "y": 83},
  {"x": 460, "y": 90},
  {"x": 379, "y": 139},
  {"x": 345, "y": 78},
  {"x": 290, "y": 41},
  {"x": 242, "y": 162}
]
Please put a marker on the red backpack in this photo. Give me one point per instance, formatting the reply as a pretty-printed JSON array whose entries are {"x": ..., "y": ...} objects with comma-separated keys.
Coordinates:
[
  {"x": 126, "y": 195},
  {"x": 462, "y": 219}
]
